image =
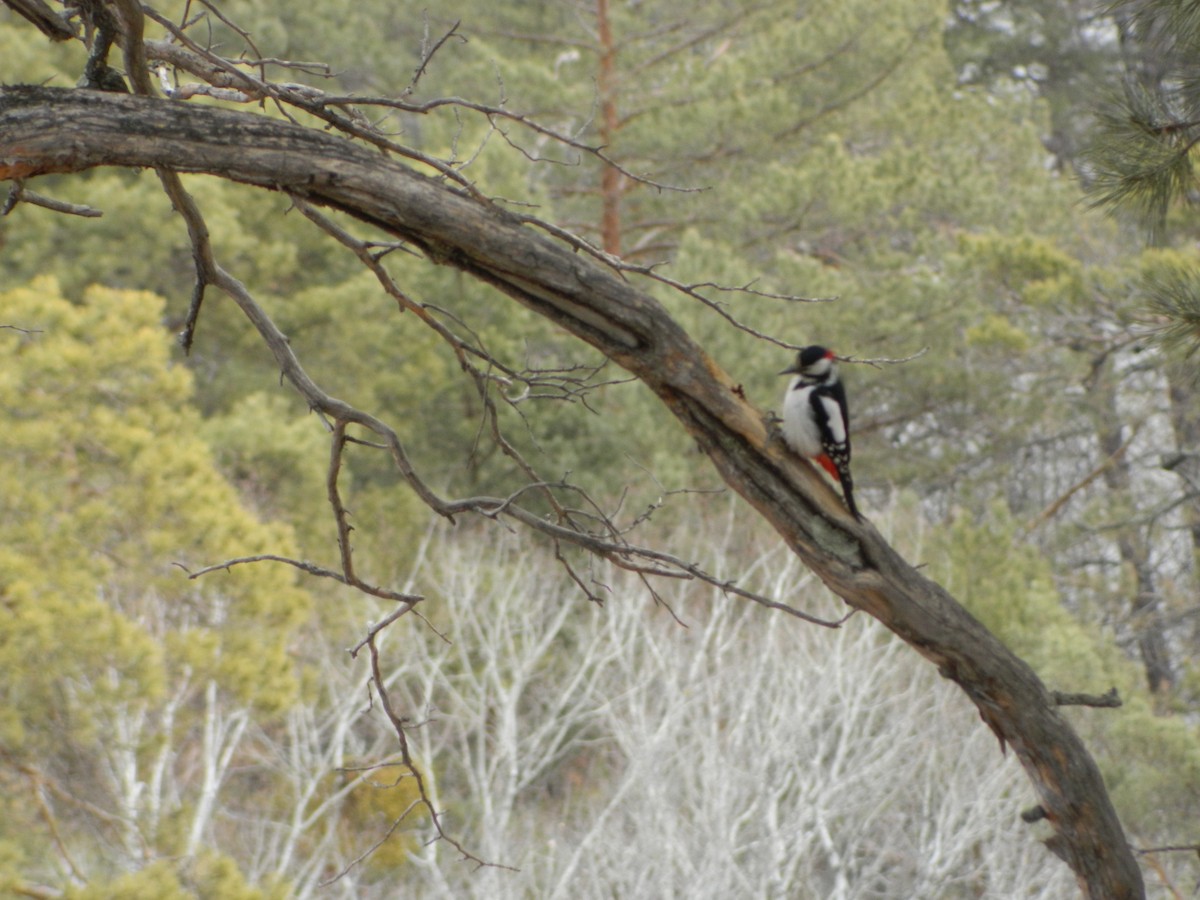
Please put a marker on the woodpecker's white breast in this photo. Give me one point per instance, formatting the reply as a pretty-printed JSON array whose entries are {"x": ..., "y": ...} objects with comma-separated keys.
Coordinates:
[{"x": 799, "y": 429}]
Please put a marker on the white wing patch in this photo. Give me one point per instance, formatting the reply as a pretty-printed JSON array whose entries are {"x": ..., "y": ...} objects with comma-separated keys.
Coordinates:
[{"x": 833, "y": 415}]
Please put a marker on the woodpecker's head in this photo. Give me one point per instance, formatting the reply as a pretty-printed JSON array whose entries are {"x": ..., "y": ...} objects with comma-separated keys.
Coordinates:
[{"x": 812, "y": 363}]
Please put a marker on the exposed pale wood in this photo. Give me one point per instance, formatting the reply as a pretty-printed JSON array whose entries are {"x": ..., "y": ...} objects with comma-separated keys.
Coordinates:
[{"x": 46, "y": 130}]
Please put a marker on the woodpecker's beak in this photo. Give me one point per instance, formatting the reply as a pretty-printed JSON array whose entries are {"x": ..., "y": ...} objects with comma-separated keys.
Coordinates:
[{"x": 793, "y": 369}]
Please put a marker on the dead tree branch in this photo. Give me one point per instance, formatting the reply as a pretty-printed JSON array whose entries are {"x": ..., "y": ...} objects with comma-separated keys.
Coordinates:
[
  {"x": 18, "y": 193},
  {"x": 1110, "y": 699}
]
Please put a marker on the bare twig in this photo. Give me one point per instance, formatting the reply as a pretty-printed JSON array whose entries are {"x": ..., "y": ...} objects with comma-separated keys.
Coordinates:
[
  {"x": 237, "y": 29},
  {"x": 320, "y": 69},
  {"x": 38, "y": 785},
  {"x": 574, "y": 576},
  {"x": 427, "y": 52},
  {"x": 373, "y": 261},
  {"x": 398, "y": 725},
  {"x": 691, "y": 290},
  {"x": 370, "y": 850},
  {"x": 188, "y": 334},
  {"x": 18, "y": 193},
  {"x": 1170, "y": 848},
  {"x": 340, "y": 516},
  {"x": 493, "y": 113},
  {"x": 220, "y": 72},
  {"x": 409, "y": 600},
  {"x": 133, "y": 26},
  {"x": 880, "y": 362},
  {"x": 1108, "y": 700},
  {"x": 1053, "y": 508}
]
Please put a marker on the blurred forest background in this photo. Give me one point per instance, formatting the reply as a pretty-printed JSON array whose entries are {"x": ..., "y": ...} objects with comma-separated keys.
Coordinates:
[{"x": 925, "y": 164}]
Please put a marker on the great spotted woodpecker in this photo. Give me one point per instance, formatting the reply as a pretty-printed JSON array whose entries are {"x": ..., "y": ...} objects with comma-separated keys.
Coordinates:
[{"x": 816, "y": 422}]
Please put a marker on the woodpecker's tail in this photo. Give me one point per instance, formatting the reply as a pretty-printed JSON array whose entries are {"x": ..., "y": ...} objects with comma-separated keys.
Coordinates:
[
  {"x": 848, "y": 492},
  {"x": 842, "y": 476}
]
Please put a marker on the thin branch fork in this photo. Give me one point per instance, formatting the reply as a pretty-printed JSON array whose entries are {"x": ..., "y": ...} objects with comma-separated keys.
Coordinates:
[
  {"x": 408, "y": 600},
  {"x": 398, "y": 725},
  {"x": 225, "y": 79},
  {"x": 428, "y": 51},
  {"x": 220, "y": 72},
  {"x": 618, "y": 551}
]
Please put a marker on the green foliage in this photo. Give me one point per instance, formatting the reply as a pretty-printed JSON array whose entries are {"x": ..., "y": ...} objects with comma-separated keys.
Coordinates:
[
  {"x": 156, "y": 881},
  {"x": 215, "y": 876},
  {"x": 1016, "y": 261},
  {"x": 1008, "y": 586},
  {"x": 1061, "y": 51},
  {"x": 384, "y": 803},
  {"x": 1141, "y": 159},
  {"x": 29, "y": 59},
  {"x": 92, "y": 382},
  {"x": 210, "y": 876},
  {"x": 998, "y": 332},
  {"x": 1169, "y": 281},
  {"x": 109, "y": 490},
  {"x": 276, "y": 459},
  {"x": 1151, "y": 763}
]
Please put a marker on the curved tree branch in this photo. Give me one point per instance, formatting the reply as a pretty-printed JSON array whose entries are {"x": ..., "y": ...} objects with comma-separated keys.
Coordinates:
[{"x": 45, "y": 130}]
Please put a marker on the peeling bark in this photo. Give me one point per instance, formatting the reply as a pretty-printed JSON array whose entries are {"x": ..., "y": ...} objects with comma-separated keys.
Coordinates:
[{"x": 46, "y": 130}]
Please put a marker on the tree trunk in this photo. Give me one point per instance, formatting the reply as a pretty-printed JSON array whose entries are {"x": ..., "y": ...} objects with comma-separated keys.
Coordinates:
[
  {"x": 46, "y": 130},
  {"x": 611, "y": 181},
  {"x": 1144, "y": 605},
  {"x": 1185, "y": 422}
]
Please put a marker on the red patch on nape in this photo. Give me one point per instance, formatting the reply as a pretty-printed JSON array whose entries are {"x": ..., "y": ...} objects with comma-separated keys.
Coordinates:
[{"x": 827, "y": 464}]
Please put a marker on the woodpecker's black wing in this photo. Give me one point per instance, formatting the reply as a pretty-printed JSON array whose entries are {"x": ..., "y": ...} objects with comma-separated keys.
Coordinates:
[{"x": 833, "y": 421}]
